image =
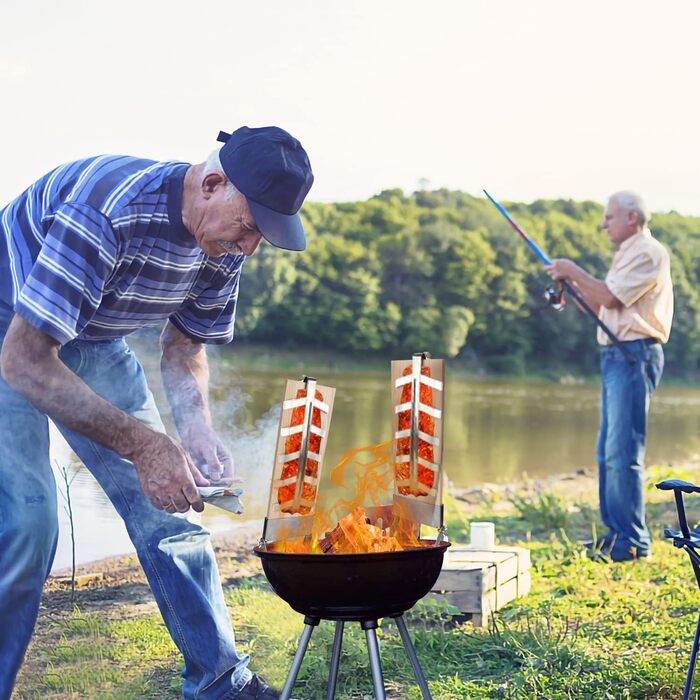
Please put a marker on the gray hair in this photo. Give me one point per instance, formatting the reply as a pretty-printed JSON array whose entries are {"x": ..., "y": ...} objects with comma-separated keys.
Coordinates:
[
  {"x": 213, "y": 164},
  {"x": 631, "y": 201}
]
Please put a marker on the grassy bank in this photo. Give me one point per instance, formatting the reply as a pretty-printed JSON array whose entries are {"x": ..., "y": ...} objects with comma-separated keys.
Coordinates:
[
  {"x": 247, "y": 356},
  {"x": 587, "y": 630},
  {"x": 309, "y": 360},
  {"x": 251, "y": 356}
]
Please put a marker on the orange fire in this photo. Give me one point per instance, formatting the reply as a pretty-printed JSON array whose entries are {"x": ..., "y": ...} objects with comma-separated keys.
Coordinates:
[{"x": 344, "y": 526}]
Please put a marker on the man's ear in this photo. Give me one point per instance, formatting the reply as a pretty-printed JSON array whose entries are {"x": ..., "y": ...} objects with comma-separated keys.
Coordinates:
[
  {"x": 633, "y": 218},
  {"x": 211, "y": 181}
]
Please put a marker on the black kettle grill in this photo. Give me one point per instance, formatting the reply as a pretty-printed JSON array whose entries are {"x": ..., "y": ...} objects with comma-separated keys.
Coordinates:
[{"x": 354, "y": 588}]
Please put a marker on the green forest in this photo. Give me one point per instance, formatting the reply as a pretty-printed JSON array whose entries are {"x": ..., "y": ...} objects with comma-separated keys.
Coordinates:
[{"x": 442, "y": 271}]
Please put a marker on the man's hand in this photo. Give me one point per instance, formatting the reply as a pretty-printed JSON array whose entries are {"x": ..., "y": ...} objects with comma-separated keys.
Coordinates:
[
  {"x": 168, "y": 476},
  {"x": 186, "y": 379},
  {"x": 595, "y": 292},
  {"x": 562, "y": 269},
  {"x": 208, "y": 452}
]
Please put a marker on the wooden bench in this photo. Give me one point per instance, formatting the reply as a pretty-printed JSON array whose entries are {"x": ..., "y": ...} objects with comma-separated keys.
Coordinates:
[{"x": 479, "y": 582}]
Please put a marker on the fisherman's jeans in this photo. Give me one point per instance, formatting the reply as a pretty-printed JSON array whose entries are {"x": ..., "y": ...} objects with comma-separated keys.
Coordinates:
[
  {"x": 626, "y": 390},
  {"x": 176, "y": 555}
]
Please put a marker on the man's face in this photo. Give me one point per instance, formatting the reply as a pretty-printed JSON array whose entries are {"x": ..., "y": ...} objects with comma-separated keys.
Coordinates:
[
  {"x": 620, "y": 223},
  {"x": 225, "y": 225}
]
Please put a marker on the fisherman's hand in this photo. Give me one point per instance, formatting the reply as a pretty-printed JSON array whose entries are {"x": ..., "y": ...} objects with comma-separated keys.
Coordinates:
[
  {"x": 561, "y": 269},
  {"x": 167, "y": 474},
  {"x": 209, "y": 453}
]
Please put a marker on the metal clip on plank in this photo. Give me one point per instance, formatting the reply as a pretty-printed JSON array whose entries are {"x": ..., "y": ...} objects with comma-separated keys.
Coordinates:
[
  {"x": 419, "y": 359},
  {"x": 310, "y": 383}
]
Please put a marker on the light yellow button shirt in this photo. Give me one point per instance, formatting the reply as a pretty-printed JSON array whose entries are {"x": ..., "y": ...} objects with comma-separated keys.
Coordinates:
[{"x": 640, "y": 277}]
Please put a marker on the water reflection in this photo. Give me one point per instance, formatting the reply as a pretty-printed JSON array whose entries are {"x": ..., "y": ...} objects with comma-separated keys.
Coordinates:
[{"x": 495, "y": 431}]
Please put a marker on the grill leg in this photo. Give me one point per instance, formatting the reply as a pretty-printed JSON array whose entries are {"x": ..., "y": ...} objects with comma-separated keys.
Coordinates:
[
  {"x": 413, "y": 657},
  {"x": 693, "y": 659},
  {"x": 335, "y": 659},
  {"x": 309, "y": 624},
  {"x": 370, "y": 627}
]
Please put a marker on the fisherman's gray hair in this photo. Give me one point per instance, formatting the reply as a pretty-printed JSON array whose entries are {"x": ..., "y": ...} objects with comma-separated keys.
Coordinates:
[
  {"x": 213, "y": 164},
  {"x": 631, "y": 201}
]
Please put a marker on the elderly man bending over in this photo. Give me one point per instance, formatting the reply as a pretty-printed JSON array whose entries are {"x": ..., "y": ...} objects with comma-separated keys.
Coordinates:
[
  {"x": 636, "y": 302},
  {"x": 92, "y": 251}
]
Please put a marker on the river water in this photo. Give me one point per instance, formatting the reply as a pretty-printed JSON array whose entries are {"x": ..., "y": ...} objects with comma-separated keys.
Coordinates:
[{"x": 495, "y": 431}]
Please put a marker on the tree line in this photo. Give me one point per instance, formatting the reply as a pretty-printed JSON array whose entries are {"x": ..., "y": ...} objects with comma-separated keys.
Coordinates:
[{"x": 442, "y": 271}]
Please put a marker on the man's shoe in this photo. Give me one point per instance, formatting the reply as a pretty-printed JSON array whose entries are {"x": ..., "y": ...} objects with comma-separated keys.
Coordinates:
[
  {"x": 617, "y": 556},
  {"x": 631, "y": 554},
  {"x": 602, "y": 543},
  {"x": 255, "y": 689}
]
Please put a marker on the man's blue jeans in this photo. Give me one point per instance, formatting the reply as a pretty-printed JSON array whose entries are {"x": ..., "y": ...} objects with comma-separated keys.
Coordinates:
[
  {"x": 625, "y": 396},
  {"x": 176, "y": 555}
]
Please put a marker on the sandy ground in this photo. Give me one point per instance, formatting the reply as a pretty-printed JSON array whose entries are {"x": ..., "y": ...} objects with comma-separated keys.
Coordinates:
[{"x": 120, "y": 581}]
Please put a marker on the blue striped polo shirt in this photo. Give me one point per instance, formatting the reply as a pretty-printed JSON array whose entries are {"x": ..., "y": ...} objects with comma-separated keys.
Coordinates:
[{"x": 96, "y": 249}]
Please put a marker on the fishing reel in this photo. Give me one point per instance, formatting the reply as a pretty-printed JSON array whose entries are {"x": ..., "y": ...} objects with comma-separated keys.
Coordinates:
[{"x": 554, "y": 296}]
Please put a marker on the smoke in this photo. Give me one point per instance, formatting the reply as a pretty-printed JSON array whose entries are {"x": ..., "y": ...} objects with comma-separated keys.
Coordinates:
[
  {"x": 59, "y": 450},
  {"x": 250, "y": 440},
  {"x": 252, "y": 443},
  {"x": 254, "y": 453}
]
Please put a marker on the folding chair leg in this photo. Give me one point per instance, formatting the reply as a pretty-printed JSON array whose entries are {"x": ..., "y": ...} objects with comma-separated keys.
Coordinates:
[{"x": 693, "y": 659}]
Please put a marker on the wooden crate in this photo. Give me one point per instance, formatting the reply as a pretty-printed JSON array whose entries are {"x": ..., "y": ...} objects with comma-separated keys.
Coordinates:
[{"x": 479, "y": 582}]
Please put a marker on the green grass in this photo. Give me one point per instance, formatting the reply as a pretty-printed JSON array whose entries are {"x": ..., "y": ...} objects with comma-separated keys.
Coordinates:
[
  {"x": 586, "y": 630},
  {"x": 544, "y": 511},
  {"x": 92, "y": 657}
]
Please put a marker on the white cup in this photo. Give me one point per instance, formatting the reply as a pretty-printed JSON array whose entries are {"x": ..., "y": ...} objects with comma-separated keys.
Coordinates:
[{"x": 482, "y": 535}]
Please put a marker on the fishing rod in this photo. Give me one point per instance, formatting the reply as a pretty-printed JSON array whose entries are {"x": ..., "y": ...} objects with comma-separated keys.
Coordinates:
[{"x": 565, "y": 283}]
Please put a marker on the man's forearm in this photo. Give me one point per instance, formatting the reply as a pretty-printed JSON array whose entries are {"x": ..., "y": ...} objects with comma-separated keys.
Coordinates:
[
  {"x": 186, "y": 379},
  {"x": 30, "y": 365},
  {"x": 595, "y": 307},
  {"x": 595, "y": 292},
  {"x": 185, "y": 373}
]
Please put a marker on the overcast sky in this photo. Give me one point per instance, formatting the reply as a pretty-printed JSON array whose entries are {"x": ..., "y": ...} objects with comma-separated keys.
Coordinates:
[{"x": 536, "y": 99}]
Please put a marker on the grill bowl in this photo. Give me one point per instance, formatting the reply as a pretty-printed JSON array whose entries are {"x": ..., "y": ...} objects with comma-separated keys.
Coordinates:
[{"x": 354, "y": 586}]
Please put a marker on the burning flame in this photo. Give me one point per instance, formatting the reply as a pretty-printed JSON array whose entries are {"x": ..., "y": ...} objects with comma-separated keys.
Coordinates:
[{"x": 344, "y": 526}]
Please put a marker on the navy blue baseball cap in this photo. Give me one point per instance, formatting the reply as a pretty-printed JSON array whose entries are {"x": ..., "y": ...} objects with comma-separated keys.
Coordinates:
[{"x": 271, "y": 169}]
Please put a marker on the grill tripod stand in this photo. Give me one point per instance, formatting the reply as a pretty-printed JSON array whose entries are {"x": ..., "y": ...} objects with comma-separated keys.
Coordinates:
[
  {"x": 369, "y": 627},
  {"x": 690, "y": 542}
]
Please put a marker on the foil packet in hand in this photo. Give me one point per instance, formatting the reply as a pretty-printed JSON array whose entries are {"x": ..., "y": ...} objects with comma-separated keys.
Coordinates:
[{"x": 224, "y": 495}]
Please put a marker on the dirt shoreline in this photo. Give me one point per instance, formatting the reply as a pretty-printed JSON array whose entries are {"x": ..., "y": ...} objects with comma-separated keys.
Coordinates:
[
  {"x": 117, "y": 585},
  {"x": 578, "y": 483}
]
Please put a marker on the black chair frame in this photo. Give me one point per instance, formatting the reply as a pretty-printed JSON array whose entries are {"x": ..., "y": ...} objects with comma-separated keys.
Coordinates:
[{"x": 690, "y": 542}]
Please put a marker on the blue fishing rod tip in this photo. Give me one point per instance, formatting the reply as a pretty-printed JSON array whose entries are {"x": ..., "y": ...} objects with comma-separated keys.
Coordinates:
[{"x": 498, "y": 205}]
